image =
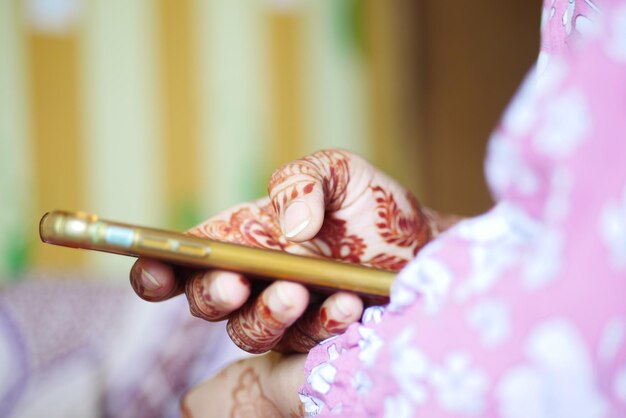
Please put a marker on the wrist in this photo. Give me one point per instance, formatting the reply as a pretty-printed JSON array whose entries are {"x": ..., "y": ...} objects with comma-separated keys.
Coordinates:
[{"x": 285, "y": 375}]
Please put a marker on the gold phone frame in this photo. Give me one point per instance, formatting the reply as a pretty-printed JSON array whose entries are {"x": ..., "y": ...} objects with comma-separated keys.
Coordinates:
[{"x": 87, "y": 231}]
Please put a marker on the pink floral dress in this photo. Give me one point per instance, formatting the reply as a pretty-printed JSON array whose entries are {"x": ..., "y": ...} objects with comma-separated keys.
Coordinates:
[{"x": 520, "y": 312}]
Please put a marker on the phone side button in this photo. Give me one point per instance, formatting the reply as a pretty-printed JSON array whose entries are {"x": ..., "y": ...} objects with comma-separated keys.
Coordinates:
[
  {"x": 194, "y": 251},
  {"x": 154, "y": 244},
  {"x": 115, "y": 235}
]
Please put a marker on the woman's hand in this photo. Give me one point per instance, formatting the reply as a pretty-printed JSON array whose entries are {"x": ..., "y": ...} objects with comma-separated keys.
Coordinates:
[
  {"x": 332, "y": 203},
  {"x": 263, "y": 386}
]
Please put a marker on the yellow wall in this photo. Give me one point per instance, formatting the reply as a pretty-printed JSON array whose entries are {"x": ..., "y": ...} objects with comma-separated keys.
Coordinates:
[{"x": 163, "y": 112}]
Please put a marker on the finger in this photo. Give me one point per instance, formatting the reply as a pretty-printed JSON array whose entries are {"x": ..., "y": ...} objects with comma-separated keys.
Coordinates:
[
  {"x": 153, "y": 280},
  {"x": 262, "y": 322},
  {"x": 335, "y": 315},
  {"x": 303, "y": 190},
  {"x": 216, "y": 294},
  {"x": 300, "y": 207}
]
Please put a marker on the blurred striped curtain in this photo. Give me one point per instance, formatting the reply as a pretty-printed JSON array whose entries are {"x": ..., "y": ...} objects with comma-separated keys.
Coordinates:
[{"x": 162, "y": 112}]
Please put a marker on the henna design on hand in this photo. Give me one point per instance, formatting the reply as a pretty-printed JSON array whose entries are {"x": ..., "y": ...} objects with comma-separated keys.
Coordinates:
[
  {"x": 185, "y": 412},
  {"x": 201, "y": 305},
  {"x": 254, "y": 329},
  {"x": 398, "y": 227},
  {"x": 314, "y": 326},
  {"x": 330, "y": 167},
  {"x": 249, "y": 225},
  {"x": 390, "y": 228},
  {"x": 333, "y": 241},
  {"x": 299, "y": 413},
  {"x": 249, "y": 401},
  {"x": 387, "y": 262},
  {"x": 401, "y": 228}
]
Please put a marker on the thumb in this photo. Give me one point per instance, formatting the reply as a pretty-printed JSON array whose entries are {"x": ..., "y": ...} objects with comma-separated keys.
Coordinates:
[{"x": 303, "y": 190}]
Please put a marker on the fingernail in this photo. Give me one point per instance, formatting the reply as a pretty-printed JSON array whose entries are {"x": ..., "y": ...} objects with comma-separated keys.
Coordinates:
[
  {"x": 149, "y": 281},
  {"x": 297, "y": 217},
  {"x": 218, "y": 291},
  {"x": 224, "y": 287},
  {"x": 279, "y": 300},
  {"x": 342, "y": 308}
]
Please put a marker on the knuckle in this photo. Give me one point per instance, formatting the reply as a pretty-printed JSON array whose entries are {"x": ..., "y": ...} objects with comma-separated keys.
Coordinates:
[
  {"x": 194, "y": 309},
  {"x": 251, "y": 331},
  {"x": 201, "y": 304},
  {"x": 304, "y": 334},
  {"x": 204, "y": 309},
  {"x": 241, "y": 339}
]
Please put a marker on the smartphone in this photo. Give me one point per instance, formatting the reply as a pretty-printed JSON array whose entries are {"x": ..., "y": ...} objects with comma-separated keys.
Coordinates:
[{"x": 87, "y": 231}]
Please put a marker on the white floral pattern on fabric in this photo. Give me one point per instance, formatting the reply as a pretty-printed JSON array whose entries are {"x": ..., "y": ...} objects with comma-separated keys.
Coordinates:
[
  {"x": 333, "y": 354},
  {"x": 565, "y": 124},
  {"x": 581, "y": 23},
  {"x": 544, "y": 260},
  {"x": 337, "y": 409},
  {"x": 370, "y": 344},
  {"x": 619, "y": 385},
  {"x": 545, "y": 83},
  {"x": 545, "y": 257},
  {"x": 459, "y": 388},
  {"x": 592, "y": 6},
  {"x": 490, "y": 318},
  {"x": 616, "y": 45},
  {"x": 568, "y": 16},
  {"x": 312, "y": 405},
  {"x": 613, "y": 230},
  {"x": 323, "y": 375},
  {"x": 586, "y": 26},
  {"x": 426, "y": 277},
  {"x": 398, "y": 407},
  {"x": 361, "y": 383},
  {"x": 558, "y": 380},
  {"x": 521, "y": 115},
  {"x": 558, "y": 204},
  {"x": 504, "y": 224},
  {"x": 495, "y": 242},
  {"x": 373, "y": 314},
  {"x": 611, "y": 340},
  {"x": 504, "y": 165},
  {"x": 542, "y": 62},
  {"x": 507, "y": 169},
  {"x": 409, "y": 368}
]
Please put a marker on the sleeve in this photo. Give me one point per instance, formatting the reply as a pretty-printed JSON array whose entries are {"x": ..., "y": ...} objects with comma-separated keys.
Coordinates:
[{"x": 519, "y": 312}]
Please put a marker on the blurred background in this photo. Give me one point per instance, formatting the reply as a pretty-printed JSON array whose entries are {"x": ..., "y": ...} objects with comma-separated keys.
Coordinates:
[{"x": 163, "y": 112}]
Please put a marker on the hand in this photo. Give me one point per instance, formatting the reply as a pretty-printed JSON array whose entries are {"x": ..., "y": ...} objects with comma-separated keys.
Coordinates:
[
  {"x": 263, "y": 386},
  {"x": 332, "y": 203}
]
